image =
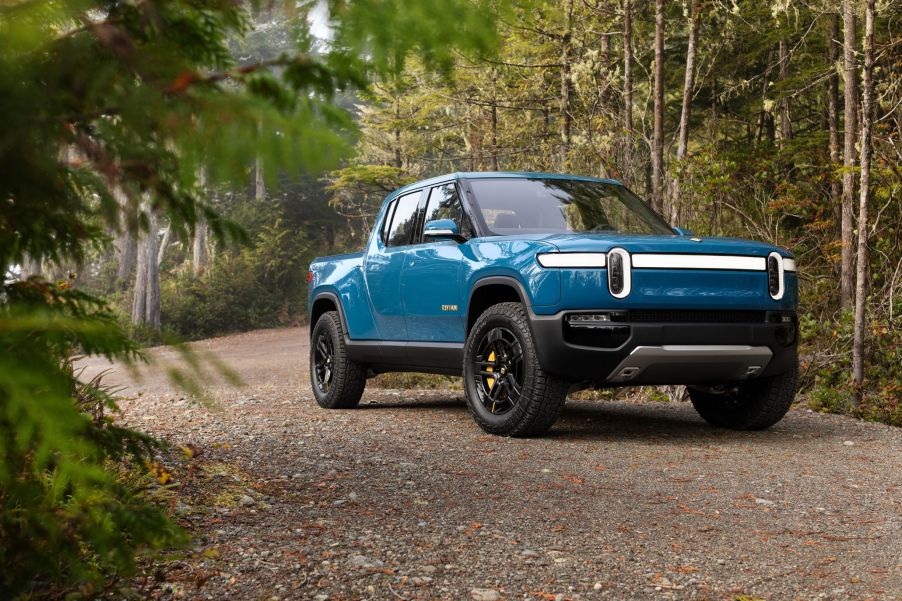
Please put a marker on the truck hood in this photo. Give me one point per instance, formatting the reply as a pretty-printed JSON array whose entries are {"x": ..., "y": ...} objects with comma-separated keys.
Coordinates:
[{"x": 640, "y": 243}]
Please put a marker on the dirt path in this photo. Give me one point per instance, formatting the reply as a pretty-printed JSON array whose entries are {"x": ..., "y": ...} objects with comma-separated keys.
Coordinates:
[{"x": 405, "y": 498}]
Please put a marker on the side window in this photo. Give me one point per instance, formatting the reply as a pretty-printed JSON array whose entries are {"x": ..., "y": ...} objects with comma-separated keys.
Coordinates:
[
  {"x": 386, "y": 221},
  {"x": 404, "y": 220},
  {"x": 444, "y": 203}
]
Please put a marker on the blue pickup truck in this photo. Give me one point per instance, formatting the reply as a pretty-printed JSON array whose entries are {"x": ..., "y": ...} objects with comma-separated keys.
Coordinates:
[{"x": 532, "y": 285}]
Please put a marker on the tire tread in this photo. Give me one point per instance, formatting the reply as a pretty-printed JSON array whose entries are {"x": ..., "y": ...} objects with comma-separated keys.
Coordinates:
[
  {"x": 765, "y": 403},
  {"x": 350, "y": 377}
]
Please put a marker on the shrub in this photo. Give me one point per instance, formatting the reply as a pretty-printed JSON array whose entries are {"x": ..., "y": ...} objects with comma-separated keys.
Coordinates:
[
  {"x": 67, "y": 521},
  {"x": 826, "y": 368},
  {"x": 257, "y": 287}
]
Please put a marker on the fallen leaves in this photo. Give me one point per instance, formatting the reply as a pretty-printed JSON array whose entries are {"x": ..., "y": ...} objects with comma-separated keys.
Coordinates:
[
  {"x": 472, "y": 529},
  {"x": 159, "y": 472}
]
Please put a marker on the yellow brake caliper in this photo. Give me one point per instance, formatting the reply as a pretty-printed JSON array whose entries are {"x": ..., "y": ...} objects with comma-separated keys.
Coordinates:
[{"x": 491, "y": 381}]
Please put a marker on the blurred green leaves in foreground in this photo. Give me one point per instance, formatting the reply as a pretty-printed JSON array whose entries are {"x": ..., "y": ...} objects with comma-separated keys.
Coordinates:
[{"x": 111, "y": 110}]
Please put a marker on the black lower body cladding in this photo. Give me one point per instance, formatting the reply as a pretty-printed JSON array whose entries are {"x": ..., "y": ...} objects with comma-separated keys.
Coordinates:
[
  {"x": 683, "y": 352},
  {"x": 718, "y": 350}
]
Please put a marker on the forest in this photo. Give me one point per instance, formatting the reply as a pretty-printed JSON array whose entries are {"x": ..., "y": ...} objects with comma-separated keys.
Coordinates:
[
  {"x": 168, "y": 169},
  {"x": 729, "y": 117}
]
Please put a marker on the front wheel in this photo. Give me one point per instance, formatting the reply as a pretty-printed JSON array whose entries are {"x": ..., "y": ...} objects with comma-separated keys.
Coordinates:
[
  {"x": 337, "y": 381},
  {"x": 752, "y": 405},
  {"x": 507, "y": 390}
]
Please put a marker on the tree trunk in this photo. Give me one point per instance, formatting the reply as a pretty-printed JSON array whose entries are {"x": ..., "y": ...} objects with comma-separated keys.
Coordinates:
[
  {"x": 397, "y": 130},
  {"x": 494, "y": 138},
  {"x": 685, "y": 113},
  {"x": 30, "y": 267},
  {"x": 494, "y": 120},
  {"x": 468, "y": 140},
  {"x": 833, "y": 46},
  {"x": 127, "y": 251},
  {"x": 259, "y": 183},
  {"x": 139, "y": 300},
  {"x": 164, "y": 244},
  {"x": 152, "y": 305},
  {"x": 657, "y": 154},
  {"x": 146, "y": 302},
  {"x": 125, "y": 244},
  {"x": 861, "y": 272},
  {"x": 627, "y": 89},
  {"x": 850, "y": 97},
  {"x": 199, "y": 257},
  {"x": 566, "y": 86},
  {"x": 763, "y": 114},
  {"x": 785, "y": 122}
]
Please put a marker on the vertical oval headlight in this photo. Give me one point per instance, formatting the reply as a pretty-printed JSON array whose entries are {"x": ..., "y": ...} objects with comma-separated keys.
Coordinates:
[
  {"x": 775, "y": 276},
  {"x": 619, "y": 273}
]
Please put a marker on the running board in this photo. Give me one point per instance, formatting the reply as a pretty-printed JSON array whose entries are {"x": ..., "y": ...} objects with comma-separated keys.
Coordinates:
[{"x": 691, "y": 364}]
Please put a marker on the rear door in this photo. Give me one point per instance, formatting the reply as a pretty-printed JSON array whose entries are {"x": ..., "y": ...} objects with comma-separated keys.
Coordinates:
[
  {"x": 385, "y": 261},
  {"x": 431, "y": 280}
]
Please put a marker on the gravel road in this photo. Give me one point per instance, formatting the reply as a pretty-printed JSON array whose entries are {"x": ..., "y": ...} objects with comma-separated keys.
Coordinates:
[{"x": 405, "y": 498}]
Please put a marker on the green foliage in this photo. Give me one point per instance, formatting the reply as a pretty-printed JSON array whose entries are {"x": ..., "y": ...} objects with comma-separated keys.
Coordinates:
[
  {"x": 111, "y": 110},
  {"x": 263, "y": 285},
  {"x": 64, "y": 517},
  {"x": 827, "y": 363},
  {"x": 743, "y": 175}
]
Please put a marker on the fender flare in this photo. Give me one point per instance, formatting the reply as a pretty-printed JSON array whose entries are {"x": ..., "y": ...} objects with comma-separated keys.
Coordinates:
[
  {"x": 327, "y": 294},
  {"x": 505, "y": 280}
]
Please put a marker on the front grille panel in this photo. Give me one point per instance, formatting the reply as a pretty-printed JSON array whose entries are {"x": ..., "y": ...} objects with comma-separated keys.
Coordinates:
[{"x": 695, "y": 316}]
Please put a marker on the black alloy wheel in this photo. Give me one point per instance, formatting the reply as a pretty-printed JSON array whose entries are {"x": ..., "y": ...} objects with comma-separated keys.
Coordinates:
[
  {"x": 498, "y": 368},
  {"x": 507, "y": 391},
  {"x": 323, "y": 361}
]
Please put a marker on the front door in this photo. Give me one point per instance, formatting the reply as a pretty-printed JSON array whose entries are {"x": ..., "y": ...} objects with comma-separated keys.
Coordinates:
[{"x": 431, "y": 280}]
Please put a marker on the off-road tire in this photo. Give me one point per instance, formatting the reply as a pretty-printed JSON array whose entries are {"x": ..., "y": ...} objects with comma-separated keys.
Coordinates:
[
  {"x": 543, "y": 395},
  {"x": 348, "y": 377},
  {"x": 756, "y": 404}
]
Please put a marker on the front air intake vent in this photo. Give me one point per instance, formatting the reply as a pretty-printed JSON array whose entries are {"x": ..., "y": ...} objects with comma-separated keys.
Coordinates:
[{"x": 694, "y": 316}]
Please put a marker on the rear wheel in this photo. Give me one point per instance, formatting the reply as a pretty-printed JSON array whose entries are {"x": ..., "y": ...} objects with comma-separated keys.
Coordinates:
[
  {"x": 337, "y": 381},
  {"x": 752, "y": 405},
  {"x": 507, "y": 390}
]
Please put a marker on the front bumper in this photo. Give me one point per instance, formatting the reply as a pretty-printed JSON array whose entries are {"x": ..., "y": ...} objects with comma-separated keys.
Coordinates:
[{"x": 630, "y": 351}]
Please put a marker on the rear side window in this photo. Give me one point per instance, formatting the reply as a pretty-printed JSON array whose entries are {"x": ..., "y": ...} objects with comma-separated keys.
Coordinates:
[
  {"x": 404, "y": 221},
  {"x": 444, "y": 203},
  {"x": 386, "y": 222}
]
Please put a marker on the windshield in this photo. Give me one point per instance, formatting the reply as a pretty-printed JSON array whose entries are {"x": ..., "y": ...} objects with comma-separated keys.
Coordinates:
[{"x": 538, "y": 206}]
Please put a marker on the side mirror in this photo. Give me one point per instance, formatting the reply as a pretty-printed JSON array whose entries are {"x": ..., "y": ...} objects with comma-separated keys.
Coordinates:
[
  {"x": 442, "y": 229},
  {"x": 682, "y": 231}
]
